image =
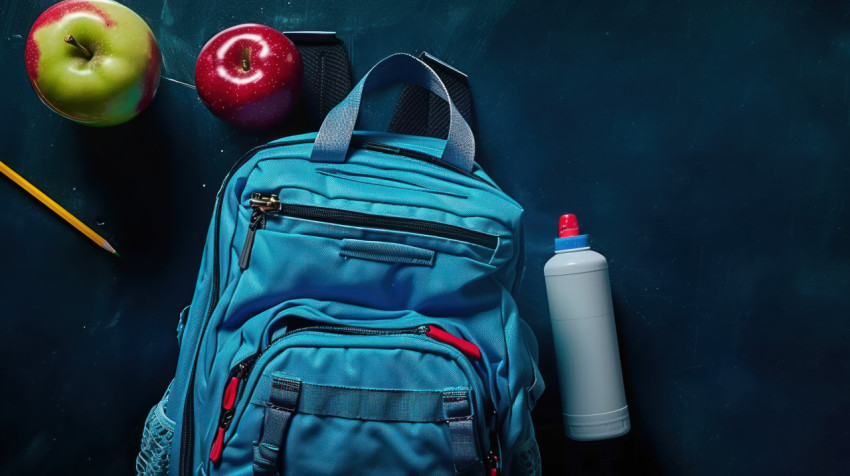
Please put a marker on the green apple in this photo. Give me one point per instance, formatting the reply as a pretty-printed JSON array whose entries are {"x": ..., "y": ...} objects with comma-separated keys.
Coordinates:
[{"x": 93, "y": 61}]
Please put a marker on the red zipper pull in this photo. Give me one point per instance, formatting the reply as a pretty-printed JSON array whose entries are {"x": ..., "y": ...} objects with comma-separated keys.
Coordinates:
[
  {"x": 227, "y": 402},
  {"x": 230, "y": 394},
  {"x": 218, "y": 446},
  {"x": 468, "y": 348}
]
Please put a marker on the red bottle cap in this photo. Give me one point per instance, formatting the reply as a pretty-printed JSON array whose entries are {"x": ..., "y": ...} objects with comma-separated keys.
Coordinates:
[{"x": 568, "y": 226}]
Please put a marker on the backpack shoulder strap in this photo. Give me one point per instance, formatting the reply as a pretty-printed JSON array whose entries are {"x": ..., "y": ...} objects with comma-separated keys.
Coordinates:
[
  {"x": 422, "y": 113},
  {"x": 327, "y": 72}
]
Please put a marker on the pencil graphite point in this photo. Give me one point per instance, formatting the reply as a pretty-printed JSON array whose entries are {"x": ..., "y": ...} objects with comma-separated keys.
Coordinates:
[{"x": 105, "y": 245}]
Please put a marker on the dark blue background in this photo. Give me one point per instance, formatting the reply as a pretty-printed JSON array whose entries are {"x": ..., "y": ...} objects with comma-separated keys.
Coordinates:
[{"x": 704, "y": 145}]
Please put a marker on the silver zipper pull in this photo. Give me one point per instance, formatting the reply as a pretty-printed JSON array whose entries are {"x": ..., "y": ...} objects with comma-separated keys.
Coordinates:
[
  {"x": 265, "y": 202},
  {"x": 262, "y": 204}
]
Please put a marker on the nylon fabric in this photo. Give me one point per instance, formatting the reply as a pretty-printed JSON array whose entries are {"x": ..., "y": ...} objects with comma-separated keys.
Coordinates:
[
  {"x": 368, "y": 447},
  {"x": 386, "y": 252},
  {"x": 327, "y": 72},
  {"x": 422, "y": 113},
  {"x": 346, "y": 308},
  {"x": 343, "y": 359},
  {"x": 413, "y": 406}
]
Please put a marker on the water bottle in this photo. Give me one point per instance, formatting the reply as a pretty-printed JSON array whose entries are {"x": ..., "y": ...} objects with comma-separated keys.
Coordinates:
[{"x": 592, "y": 395}]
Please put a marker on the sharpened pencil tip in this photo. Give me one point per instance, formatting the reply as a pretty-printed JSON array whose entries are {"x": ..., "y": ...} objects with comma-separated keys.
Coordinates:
[{"x": 109, "y": 248}]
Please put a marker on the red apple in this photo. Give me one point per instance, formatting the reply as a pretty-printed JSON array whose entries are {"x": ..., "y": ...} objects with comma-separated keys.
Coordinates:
[
  {"x": 249, "y": 75},
  {"x": 93, "y": 61}
]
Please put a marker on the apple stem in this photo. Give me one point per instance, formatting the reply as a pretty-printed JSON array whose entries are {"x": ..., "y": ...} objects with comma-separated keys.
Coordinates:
[
  {"x": 246, "y": 59},
  {"x": 73, "y": 42}
]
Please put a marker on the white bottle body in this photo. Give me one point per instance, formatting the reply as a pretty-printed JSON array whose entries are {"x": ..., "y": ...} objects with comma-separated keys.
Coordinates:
[{"x": 582, "y": 316}]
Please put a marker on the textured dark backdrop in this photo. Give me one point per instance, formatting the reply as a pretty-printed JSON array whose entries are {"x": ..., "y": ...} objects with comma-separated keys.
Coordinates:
[{"x": 704, "y": 145}]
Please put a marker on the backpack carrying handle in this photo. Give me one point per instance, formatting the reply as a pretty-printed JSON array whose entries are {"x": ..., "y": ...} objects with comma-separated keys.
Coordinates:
[{"x": 334, "y": 136}]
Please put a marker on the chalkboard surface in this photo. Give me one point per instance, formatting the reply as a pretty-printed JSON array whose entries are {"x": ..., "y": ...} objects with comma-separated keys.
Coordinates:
[{"x": 705, "y": 146}]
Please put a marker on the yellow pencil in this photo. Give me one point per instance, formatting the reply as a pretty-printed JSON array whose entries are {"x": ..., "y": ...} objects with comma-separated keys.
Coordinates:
[{"x": 56, "y": 208}]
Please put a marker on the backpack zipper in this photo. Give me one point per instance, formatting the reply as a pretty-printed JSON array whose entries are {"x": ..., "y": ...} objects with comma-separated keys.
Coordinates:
[
  {"x": 187, "y": 426},
  {"x": 264, "y": 204},
  {"x": 261, "y": 204},
  {"x": 238, "y": 375},
  {"x": 415, "y": 154},
  {"x": 187, "y": 433},
  {"x": 228, "y": 403}
]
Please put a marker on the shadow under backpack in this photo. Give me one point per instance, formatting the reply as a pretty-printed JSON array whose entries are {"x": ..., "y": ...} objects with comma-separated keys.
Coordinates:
[{"x": 353, "y": 312}]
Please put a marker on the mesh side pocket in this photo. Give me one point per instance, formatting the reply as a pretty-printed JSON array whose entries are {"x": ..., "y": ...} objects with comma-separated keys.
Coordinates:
[
  {"x": 156, "y": 441},
  {"x": 525, "y": 460}
]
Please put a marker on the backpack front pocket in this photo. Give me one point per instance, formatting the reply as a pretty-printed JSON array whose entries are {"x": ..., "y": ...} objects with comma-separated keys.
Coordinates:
[
  {"x": 269, "y": 205},
  {"x": 375, "y": 268},
  {"x": 332, "y": 400}
]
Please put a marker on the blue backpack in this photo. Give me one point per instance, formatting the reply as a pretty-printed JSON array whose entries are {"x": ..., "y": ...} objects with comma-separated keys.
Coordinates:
[{"x": 354, "y": 312}]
